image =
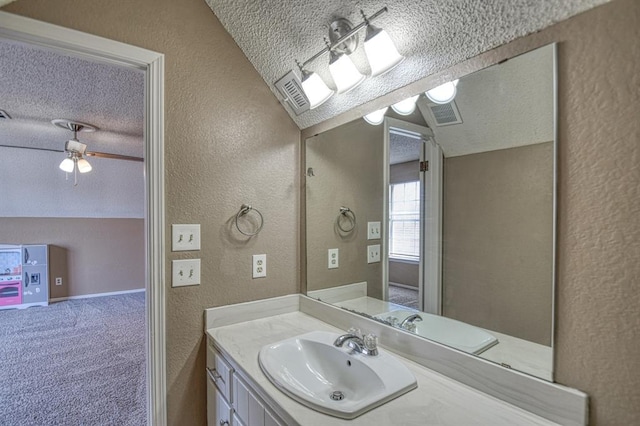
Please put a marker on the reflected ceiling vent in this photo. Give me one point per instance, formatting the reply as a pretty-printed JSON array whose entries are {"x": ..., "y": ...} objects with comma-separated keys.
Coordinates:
[
  {"x": 290, "y": 88},
  {"x": 4, "y": 115},
  {"x": 445, "y": 114}
]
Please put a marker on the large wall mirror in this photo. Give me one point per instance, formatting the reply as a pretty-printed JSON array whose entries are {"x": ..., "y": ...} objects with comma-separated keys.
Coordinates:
[{"x": 441, "y": 220}]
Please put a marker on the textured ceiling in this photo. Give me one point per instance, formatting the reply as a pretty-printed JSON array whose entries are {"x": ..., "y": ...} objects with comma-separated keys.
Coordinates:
[
  {"x": 39, "y": 85},
  {"x": 433, "y": 35}
]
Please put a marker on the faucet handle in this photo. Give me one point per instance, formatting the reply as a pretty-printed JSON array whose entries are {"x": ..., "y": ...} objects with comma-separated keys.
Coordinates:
[
  {"x": 355, "y": 331},
  {"x": 370, "y": 342}
]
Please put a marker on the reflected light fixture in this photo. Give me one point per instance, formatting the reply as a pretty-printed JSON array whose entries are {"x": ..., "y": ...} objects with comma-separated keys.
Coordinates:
[
  {"x": 406, "y": 106},
  {"x": 376, "y": 117},
  {"x": 381, "y": 53},
  {"x": 444, "y": 93}
]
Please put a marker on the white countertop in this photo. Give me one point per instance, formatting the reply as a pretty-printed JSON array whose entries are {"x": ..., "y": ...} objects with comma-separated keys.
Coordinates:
[{"x": 438, "y": 400}]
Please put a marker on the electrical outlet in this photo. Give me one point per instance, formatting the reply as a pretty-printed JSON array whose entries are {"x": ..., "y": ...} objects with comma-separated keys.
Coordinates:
[
  {"x": 373, "y": 253},
  {"x": 334, "y": 258},
  {"x": 185, "y": 237},
  {"x": 58, "y": 280},
  {"x": 373, "y": 230},
  {"x": 185, "y": 272},
  {"x": 259, "y": 265}
]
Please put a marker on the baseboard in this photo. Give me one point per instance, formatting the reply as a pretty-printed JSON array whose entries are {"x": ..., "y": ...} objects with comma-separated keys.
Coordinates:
[
  {"x": 409, "y": 287},
  {"x": 88, "y": 296}
]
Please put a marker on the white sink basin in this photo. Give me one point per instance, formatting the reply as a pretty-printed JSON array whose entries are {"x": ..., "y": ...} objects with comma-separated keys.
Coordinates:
[
  {"x": 310, "y": 369},
  {"x": 457, "y": 334}
]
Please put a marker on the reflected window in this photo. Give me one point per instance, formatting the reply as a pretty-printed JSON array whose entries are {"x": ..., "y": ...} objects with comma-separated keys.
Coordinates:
[{"x": 404, "y": 221}]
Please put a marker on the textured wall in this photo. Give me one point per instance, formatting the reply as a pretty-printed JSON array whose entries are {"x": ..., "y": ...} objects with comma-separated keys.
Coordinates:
[
  {"x": 90, "y": 255},
  {"x": 227, "y": 142},
  {"x": 497, "y": 240},
  {"x": 342, "y": 162}
]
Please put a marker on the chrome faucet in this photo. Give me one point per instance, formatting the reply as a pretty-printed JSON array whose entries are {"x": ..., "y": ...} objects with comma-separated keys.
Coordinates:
[
  {"x": 367, "y": 345},
  {"x": 408, "y": 322}
]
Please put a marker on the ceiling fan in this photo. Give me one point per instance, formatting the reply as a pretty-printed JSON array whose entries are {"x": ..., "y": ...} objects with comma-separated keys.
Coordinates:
[{"x": 76, "y": 150}]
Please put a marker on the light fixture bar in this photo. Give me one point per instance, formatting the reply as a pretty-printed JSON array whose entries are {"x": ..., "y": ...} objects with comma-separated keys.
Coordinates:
[{"x": 347, "y": 36}]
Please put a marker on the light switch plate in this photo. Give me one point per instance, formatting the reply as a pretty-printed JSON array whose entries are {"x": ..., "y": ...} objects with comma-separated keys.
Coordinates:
[
  {"x": 185, "y": 272},
  {"x": 373, "y": 230},
  {"x": 259, "y": 265},
  {"x": 334, "y": 258},
  {"x": 185, "y": 237},
  {"x": 373, "y": 253}
]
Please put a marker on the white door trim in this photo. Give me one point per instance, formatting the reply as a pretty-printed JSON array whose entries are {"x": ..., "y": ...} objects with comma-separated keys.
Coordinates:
[{"x": 98, "y": 49}]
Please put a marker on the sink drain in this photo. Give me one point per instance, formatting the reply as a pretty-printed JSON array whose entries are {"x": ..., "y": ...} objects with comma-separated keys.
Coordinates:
[{"x": 337, "y": 395}]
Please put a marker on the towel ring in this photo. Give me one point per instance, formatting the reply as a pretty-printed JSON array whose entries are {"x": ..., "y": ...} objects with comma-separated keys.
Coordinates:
[
  {"x": 246, "y": 208},
  {"x": 351, "y": 218}
]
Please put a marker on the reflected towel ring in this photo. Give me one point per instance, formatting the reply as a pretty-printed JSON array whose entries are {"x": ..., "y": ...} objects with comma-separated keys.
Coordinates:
[
  {"x": 351, "y": 217},
  {"x": 246, "y": 208}
]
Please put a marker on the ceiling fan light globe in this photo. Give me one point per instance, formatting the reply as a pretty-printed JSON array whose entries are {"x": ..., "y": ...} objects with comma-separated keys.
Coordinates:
[
  {"x": 84, "y": 166},
  {"x": 67, "y": 165}
]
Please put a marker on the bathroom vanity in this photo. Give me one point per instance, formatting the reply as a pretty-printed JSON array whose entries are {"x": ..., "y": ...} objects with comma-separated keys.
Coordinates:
[{"x": 239, "y": 393}]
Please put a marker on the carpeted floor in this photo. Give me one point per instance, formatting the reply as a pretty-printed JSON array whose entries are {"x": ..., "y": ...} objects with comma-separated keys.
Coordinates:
[
  {"x": 77, "y": 362},
  {"x": 403, "y": 296}
]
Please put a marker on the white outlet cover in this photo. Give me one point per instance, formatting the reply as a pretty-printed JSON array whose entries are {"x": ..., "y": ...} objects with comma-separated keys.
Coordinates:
[
  {"x": 185, "y": 272},
  {"x": 333, "y": 258},
  {"x": 259, "y": 265},
  {"x": 373, "y": 253},
  {"x": 373, "y": 230},
  {"x": 185, "y": 237}
]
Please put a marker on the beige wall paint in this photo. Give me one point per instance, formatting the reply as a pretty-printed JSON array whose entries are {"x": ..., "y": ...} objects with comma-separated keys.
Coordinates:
[
  {"x": 228, "y": 141},
  {"x": 342, "y": 162},
  {"x": 404, "y": 273},
  {"x": 598, "y": 278},
  {"x": 90, "y": 255},
  {"x": 497, "y": 240}
]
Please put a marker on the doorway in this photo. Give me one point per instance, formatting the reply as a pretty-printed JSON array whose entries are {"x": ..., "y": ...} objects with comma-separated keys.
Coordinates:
[{"x": 93, "y": 48}]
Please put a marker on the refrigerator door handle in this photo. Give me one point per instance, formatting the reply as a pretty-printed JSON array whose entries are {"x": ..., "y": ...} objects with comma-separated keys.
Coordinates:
[
  {"x": 26, "y": 255},
  {"x": 26, "y": 279}
]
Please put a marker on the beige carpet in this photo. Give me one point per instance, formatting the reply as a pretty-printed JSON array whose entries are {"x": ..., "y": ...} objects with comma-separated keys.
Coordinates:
[{"x": 77, "y": 362}]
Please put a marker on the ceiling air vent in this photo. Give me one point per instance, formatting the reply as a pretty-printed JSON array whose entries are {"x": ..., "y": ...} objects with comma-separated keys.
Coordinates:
[
  {"x": 291, "y": 90},
  {"x": 3, "y": 114},
  {"x": 445, "y": 114}
]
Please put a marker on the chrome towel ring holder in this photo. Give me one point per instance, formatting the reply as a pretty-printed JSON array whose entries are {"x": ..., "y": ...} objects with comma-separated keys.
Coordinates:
[
  {"x": 350, "y": 216},
  {"x": 244, "y": 209}
]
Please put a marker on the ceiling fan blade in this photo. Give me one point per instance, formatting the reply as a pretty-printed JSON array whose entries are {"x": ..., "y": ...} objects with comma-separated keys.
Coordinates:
[
  {"x": 113, "y": 156},
  {"x": 32, "y": 147}
]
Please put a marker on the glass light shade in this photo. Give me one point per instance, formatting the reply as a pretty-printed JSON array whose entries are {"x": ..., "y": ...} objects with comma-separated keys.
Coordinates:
[
  {"x": 344, "y": 72},
  {"x": 84, "y": 166},
  {"x": 406, "y": 106},
  {"x": 381, "y": 52},
  {"x": 376, "y": 117},
  {"x": 444, "y": 93},
  {"x": 315, "y": 88},
  {"x": 67, "y": 165}
]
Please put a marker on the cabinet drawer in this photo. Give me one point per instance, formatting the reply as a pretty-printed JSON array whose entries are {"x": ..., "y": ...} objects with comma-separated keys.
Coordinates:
[{"x": 219, "y": 372}]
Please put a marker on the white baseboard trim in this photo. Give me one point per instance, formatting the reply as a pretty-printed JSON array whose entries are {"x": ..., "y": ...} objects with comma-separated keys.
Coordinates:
[
  {"x": 410, "y": 287},
  {"x": 89, "y": 296}
]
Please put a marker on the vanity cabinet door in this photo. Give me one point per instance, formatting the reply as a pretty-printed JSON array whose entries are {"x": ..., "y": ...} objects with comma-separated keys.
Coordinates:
[
  {"x": 247, "y": 407},
  {"x": 218, "y": 409},
  {"x": 236, "y": 420},
  {"x": 270, "y": 419}
]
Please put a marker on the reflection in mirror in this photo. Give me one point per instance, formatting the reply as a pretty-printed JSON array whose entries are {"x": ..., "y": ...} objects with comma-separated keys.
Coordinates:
[{"x": 453, "y": 212}]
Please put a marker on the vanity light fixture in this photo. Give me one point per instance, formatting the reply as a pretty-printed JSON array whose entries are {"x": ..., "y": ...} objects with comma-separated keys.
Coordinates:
[
  {"x": 444, "y": 93},
  {"x": 406, "y": 106},
  {"x": 376, "y": 117},
  {"x": 343, "y": 40}
]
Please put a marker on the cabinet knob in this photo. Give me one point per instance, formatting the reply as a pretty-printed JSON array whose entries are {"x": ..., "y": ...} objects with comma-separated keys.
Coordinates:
[{"x": 224, "y": 422}]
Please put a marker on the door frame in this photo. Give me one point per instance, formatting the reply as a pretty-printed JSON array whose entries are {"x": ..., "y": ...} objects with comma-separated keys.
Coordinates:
[
  {"x": 430, "y": 268},
  {"x": 101, "y": 50}
]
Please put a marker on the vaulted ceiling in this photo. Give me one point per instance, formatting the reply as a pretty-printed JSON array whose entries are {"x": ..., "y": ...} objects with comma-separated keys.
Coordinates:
[{"x": 432, "y": 34}]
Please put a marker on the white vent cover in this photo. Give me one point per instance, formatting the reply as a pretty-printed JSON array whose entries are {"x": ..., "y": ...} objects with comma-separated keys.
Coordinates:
[
  {"x": 3, "y": 114},
  {"x": 290, "y": 88},
  {"x": 445, "y": 114}
]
